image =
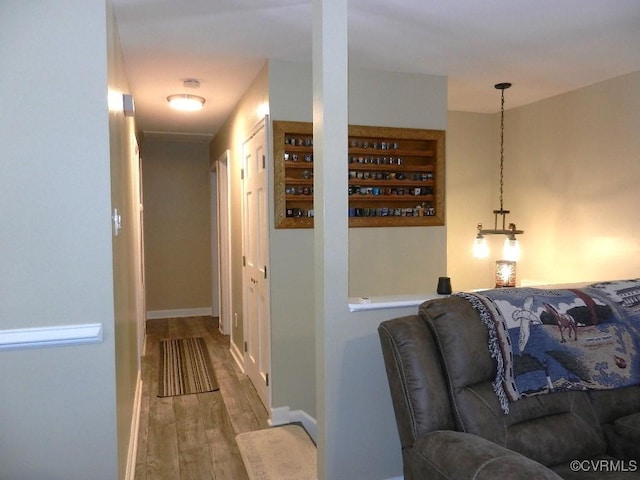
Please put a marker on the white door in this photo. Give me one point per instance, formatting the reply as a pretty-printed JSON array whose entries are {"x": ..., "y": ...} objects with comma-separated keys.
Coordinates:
[{"x": 255, "y": 261}]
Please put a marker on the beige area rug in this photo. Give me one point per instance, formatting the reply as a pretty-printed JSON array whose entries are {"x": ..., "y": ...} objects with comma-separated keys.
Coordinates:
[
  {"x": 278, "y": 453},
  {"x": 185, "y": 367}
]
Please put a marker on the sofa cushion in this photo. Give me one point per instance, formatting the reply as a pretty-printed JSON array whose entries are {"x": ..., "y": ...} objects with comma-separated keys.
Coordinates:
[
  {"x": 544, "y": 428},
  {"x": 609, "y": 405},
  {"x": 629, "y": 427},
  {"x": 555, "y": 439},
  {"x": 447, "y": 455},
  {"x": 621, "y": 447},
  {"x": 552, "y": 429}
]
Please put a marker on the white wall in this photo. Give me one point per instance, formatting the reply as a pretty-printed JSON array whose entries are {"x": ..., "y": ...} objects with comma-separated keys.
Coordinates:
[{"x": 58, "y": 407}]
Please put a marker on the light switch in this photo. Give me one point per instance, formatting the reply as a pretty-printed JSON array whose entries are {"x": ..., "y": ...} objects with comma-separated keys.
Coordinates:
[{"x": 117, "y": 221}]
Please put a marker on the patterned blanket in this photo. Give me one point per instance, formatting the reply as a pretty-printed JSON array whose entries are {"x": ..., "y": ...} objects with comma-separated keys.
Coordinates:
[{"x": 555, "y": 340}]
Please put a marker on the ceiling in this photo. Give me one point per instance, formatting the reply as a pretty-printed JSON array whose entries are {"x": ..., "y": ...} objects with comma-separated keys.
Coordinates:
[{"x": 543, "y": 47}]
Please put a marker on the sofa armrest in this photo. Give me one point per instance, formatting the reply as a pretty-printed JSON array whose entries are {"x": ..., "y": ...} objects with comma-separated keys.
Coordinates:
[{"x": 446, "y": 454}]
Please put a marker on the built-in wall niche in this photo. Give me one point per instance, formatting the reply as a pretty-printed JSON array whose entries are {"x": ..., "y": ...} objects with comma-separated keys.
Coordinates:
[{"x": 396, "y": 176}]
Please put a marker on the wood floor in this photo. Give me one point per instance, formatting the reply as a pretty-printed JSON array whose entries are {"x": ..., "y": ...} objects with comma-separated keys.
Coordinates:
[{"x": 192, "y": 437}]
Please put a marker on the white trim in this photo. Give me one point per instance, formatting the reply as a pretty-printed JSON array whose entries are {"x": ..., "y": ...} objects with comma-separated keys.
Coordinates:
[
  {"x": 223, "y": 206},
  {"x": 237, "y": 356},
  {"x": 59, "y": 335},
  {"x": 178, "y": 313},
  {"x": 213, "y": 236},
  {"x": 284, "y": 416},
  {"x": 130, "y": 471},
  {"x": 357, "y": 304},
  {"x": 279, "y": 416},
  {"x": 141, "y": 308}
]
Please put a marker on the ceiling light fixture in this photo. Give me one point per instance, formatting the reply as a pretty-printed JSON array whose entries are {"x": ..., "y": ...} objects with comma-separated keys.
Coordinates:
[
  {"x": 186, "y": 102},
  {"x": 511, "y": 250}
]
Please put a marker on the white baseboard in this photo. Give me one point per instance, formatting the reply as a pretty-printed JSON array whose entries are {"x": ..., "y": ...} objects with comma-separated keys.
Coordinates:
[
  {"x": 283, "y": 416},
  {"x": 179, "y": 313},
  {"x": 130, "y": 471},
  {"x": 237, "y": 355},
  {"x": 279, "y": 416}
]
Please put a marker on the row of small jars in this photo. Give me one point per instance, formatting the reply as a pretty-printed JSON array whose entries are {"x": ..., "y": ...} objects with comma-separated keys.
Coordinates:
[
  {"x": 355, "y": 190},
  {"x": 417, "y": 211}
]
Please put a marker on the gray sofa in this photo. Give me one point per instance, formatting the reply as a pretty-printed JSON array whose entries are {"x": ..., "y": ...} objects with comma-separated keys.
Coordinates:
[{"x": 451, "y": 425}]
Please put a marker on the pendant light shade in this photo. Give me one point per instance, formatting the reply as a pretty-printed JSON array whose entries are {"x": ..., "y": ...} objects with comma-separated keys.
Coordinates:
[
  {"x": 480, "y": 245},
  {"x": 511, "y": 249}
]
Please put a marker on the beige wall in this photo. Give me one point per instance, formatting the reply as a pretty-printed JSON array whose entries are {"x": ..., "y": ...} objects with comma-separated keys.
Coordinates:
[
  {"x": 176, "y": 187},
  {"x": 471, "y": 167},
  {"x": 231, "y": 136},
  {"x": 472, "y": 189},
  {"x": 128, "y": 294},
  {"x": 576, "y": 162},
  {"x": 397, "y": 260},
  {"x": 59, "y": 409},
  {"x": 377, "y": 99},
  {"x": 571, "y": 174},
  {"x": 381, "y": 260}
]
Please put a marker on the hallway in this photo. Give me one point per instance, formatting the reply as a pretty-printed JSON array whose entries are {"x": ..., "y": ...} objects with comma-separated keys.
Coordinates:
[{"x": 193, "y": 436}]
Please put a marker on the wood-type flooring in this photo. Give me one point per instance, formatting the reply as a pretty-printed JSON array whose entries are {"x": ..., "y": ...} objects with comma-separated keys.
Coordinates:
[{"x": 192, "y": 437}]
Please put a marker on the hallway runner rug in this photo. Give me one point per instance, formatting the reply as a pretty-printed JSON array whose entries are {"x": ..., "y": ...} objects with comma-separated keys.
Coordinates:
[
  {"x": 185, "y": 367},
  {"x": 278, "y": 453}
]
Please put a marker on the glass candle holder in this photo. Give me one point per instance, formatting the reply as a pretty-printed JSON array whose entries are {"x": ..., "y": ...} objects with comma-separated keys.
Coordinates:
[{"x": 505, "y": 273}]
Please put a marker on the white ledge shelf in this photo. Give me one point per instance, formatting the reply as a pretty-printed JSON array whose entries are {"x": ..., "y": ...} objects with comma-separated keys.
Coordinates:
[
  {"x": 60, "y": 335},
  {"x": 358, "y": 304}
]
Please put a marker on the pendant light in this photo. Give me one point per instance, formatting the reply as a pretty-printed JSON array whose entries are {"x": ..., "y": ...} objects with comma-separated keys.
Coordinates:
[{"x": 511, "y": 249}]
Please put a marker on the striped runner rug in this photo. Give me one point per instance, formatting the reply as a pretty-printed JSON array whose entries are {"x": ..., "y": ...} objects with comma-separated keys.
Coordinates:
[{"x": 185, "y": 367}]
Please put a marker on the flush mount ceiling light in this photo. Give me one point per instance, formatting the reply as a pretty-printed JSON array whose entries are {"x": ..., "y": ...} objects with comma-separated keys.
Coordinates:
[
  {"x": 186, "y": 102},
  {"x": 511, "y": 249}
]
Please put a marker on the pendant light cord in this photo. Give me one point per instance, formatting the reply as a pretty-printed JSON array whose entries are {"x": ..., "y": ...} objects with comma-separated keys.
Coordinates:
[{"x": 501, "y": 148}]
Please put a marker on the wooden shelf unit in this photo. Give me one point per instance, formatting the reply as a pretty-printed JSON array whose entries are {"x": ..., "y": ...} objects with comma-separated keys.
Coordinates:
[{"x": 396, "y": 176}]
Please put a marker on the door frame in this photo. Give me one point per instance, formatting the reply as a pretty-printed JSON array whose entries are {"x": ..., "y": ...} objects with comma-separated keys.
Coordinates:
[
  {"x": 223, "y": 210},
  {"x": 139, "y": 250}
]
